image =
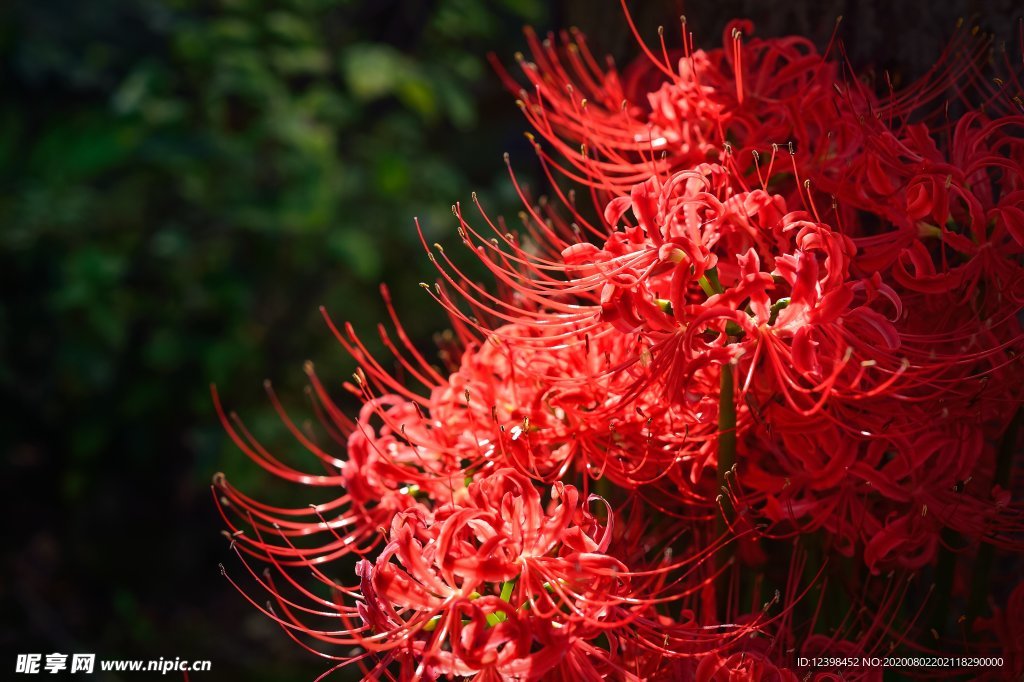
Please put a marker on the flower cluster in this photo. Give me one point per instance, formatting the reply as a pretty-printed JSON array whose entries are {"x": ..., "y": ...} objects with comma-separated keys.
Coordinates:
[{"x": 756, "y": 405}]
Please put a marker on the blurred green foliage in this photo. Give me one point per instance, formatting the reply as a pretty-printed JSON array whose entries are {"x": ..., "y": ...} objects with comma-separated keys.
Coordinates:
[
  {"x": 182, "y": 184},
  {"x": 185, "y": 182}
]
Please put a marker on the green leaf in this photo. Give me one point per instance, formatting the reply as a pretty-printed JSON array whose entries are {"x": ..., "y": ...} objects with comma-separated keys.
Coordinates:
[
  {"x": 298, "y": 61},
  {"x": 373, "y": 71},
  {"x": 83, "y": 147},
  {"x": 358, "y": 251},
  {"x": 290, "y": 28},
  {"x": 417, "y": 94}
]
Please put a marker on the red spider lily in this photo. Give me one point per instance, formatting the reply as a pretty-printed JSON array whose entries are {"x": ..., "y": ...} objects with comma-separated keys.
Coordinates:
[
  {"x": 674, "y": 112},
  {"x": 800, "y": 316},
  {"x": 648, "y": 410},
  {"x": 814, "y": 338},
  {"x": 557, "y": 413},
  {"x": 891, "y": 496},
  {"x": 385, "y": 470},
  {"x": 956, "y": 227},
  {"x": 551, "y": 564},
  {"x": 505, "y": 585}
]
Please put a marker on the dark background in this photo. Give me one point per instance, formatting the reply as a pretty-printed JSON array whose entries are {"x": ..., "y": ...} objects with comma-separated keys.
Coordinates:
[{"x": 182, "y": 183}]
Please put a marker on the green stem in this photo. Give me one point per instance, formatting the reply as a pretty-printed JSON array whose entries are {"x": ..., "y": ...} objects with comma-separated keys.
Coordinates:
[
  {"x": 710, "y": 282},
  {"x": 726, "y": 459},
  {"x": 506, "y": 594},
  {"x": 812, "y": 562},
  {"x": 944, "y": 572},
  {"x": 726, "y": 431}
]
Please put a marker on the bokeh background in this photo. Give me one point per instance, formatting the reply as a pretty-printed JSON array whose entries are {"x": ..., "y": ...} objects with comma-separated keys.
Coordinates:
[{"x": 182, "y": 184}]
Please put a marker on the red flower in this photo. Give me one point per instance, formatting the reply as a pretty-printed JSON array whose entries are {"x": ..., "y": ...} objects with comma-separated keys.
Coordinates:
[{"x": 646, "y": 405}]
